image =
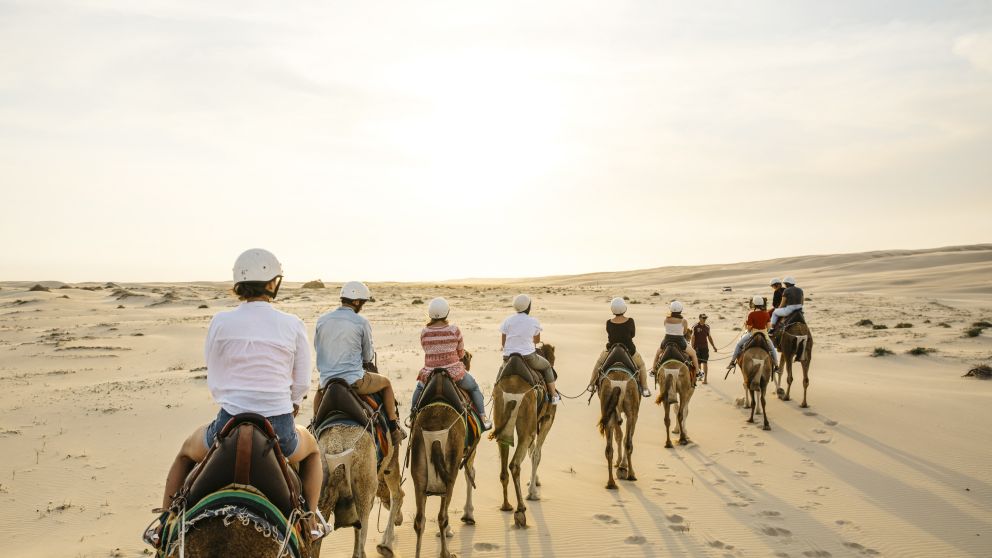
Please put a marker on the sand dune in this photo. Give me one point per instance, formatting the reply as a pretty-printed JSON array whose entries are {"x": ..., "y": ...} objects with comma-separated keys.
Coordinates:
[{"x": 97, "y": 391}]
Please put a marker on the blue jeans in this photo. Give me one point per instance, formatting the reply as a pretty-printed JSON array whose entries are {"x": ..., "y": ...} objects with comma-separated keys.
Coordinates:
[
  {"x": 784, "y": 311},
  {"x": 747, "y": 337},
  {"x": 468, "y": 384},
  {"x": 284, "y": 425}
]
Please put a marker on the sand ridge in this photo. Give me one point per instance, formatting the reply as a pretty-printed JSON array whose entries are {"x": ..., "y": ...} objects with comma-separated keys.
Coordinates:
[{"x": 98, "y": 389}]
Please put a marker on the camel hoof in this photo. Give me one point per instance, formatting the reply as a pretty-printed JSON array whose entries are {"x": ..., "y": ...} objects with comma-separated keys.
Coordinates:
[
  {"x": 684, "y": 442},
  {"x": 533, "y": 496},
  {"x": 750, "y": 420},
  {"x": 786, "y": 398},
  {"x": 631, "y": 477},
  {"x": 399, "y": 520},
  {"x": 506, "y": 507},
  {"x": 780, "y": 393},
  {"x": 520, "y": 519},
  {"x": 766, "y": 427},
  {"x": 468, "y": 520},
  {"x": 611, "y": 486},
  {"x": 804, "y": 405},
  {"x": 669, "y": 445},
  {"x": 384, "y": 550},
  {"x": 621, "y": 473}
]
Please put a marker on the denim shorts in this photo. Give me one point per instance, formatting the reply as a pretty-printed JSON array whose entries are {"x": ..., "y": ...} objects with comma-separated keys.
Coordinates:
[{"x": 284, "y": 425}]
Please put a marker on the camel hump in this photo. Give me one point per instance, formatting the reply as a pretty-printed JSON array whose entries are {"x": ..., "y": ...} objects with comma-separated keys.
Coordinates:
[
  {"x": 246, "y": 452},
  {"x": 339, "y": 400},
  {"x": 619, "y": 358},
  {"x": 515, "y": 365}
]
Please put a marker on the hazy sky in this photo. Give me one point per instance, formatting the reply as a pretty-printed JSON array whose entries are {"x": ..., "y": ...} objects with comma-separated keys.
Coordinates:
[{"x": 428, "y": 140}]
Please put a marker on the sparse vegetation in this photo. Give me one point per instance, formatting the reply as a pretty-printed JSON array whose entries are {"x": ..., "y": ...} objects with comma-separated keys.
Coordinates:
[
  {"x": 417, "y": 301},
  {"x": 39, "y": 287},
  {"x": 973, "y": 332},
  {"x": 903, "y": 325},
  {"x": 880, "y": 326},
  {"x": 316, "y": 284},
  {"x": 921, "y": 351},
  {"x": 983, "y": 372},
  {"x": 864, "y": 323},
  {"x": 202, "y": 306},
  {"x": 881, "y": 352},
  {"x": 983, "y": 324},
  {"x": 944, "y": 325},
  {"x": 656, "y": 293}
]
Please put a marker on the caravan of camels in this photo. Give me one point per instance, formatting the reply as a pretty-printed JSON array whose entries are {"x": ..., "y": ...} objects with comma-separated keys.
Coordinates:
[{"x": 253, "y": 483}]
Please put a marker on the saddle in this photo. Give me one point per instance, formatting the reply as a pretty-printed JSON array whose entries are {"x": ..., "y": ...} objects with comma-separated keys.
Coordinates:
[
  {"x": 671, "y": 351},
  {"x": 246, "y": 452},
  {"x": 515, "y": 365},
  {"x": 618, "y": 358},
  {"x": 796, "y": 317},
  {"x": 340, "y": 404},
  {"x": 441, "y": 389},
  {"x": 756, "y": 340}
]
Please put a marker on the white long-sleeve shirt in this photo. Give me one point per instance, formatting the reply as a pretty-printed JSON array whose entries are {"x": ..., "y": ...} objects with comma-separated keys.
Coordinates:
[{"x": 258, "y": 360}]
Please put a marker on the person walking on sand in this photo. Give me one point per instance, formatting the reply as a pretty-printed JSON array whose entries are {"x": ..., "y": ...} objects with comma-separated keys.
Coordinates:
[
  {"x": 444, "y": 348},
  {"x": 620, "y": 329},
  {"x": 344, "y": 350},
  {"x": 520, "y": 334},
  {"x": 700, "y": 337},
  {"x": 258, "y": 361}
]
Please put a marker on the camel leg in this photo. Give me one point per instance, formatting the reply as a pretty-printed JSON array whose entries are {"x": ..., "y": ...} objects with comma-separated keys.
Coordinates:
[
  {"x": 442, "y": 520},
  {"x": 764, "y": 410},
  {"x": 778, "y": 375},
  {"x": 788, "y": 387},
  {"x": 610, "y": 483},
  {"x": 753, "y": 404},
  {"x": 391, "y": 477},
  {"x": 617, "y": 433},
  {"x": 419, "y": 519},
  {"x": 468, "y": 517},
  {"x": 680, "y": 416},
  {"x": 805, "y": 365},
  {"x": 668, "y": 425},
  {"x": 504, "y": 475},
  {"x": 684, "y": 409},
  {"x": 525, "y": 440},
  {"x": 629, "y": 446},
  {"x": 678, "y": 427}
]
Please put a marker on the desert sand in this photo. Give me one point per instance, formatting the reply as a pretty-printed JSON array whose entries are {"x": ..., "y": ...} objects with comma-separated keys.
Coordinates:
[{"x": 98, "y": 388}]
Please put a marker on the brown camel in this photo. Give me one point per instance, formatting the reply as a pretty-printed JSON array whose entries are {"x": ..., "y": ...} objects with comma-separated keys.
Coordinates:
[
  {"x": 756, "y": 370},
  {"x": 618, "y": 393},
  {"x": 437, "y": 450},
  {"x": 677, "y": 388},
  {"x": 352, "y": 480},
  {"x": 516, "y": 411},
  {"x": 217, "y": 537},
  {"x": 795, "y": 344}
]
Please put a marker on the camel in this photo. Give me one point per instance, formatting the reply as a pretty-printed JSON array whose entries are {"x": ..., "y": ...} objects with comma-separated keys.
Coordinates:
[
  {"x": 676, "y": 388},
  {"x": 352, "y": 480},
  {"x": 516, "y": 410},
  {"x": 216, "y": 537},
  {"x": 437, "y": 450},
  {"x": 756, "y": 370},
  {"x": 794, "y": 343},
  {"x": 618, "y": 393}
]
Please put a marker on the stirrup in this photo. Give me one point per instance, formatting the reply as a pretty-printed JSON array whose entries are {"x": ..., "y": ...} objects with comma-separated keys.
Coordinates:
[{"x": 153, "y": 533}]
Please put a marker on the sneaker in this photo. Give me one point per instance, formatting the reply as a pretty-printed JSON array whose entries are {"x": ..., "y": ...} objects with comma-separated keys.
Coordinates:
[
  {"x": 486, "y": 424},
  {"x": 556, "y": 399},
  {"x": 591, "y": 388}
]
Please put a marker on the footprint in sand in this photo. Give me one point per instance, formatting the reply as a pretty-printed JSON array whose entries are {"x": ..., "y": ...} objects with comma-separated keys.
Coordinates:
[
  {"x": 485, "y": 547},
  {"x": 776, "y": 532},
  {"x": 635, "y": 539},
  {"x": 819, "y": 431},
  {"x": 810, "y": 413},
  {"x": 861, "y": 549},
  {"x": 675, "y": 518},
  {"x": 817, "y": 554},
  {"x": 770, "y": 513},
  {"x": 608, "y": 519},
  {"x": 716, "y": 544},
  {"x": 830, "y": 423}
]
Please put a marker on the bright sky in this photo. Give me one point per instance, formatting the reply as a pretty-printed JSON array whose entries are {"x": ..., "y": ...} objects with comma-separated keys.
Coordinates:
[{"x": 156, "y": 140}]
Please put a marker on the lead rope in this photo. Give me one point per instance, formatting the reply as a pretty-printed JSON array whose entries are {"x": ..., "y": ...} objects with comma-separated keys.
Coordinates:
[
  {"x": 284, "y": 546},
  {"x": 182, "y": 531}
]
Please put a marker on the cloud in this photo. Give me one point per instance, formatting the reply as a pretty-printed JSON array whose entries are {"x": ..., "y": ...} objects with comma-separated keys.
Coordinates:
[{"x": 975, "y": 48}]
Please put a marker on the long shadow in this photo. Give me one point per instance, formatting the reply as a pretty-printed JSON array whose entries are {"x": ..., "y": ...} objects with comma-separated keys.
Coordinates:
[
  {"x": 677, "y": 543},
  {"x": 535, "y": 512},
  {"x": 875, "y": 486},
  {"x": 645, "y": 548}
]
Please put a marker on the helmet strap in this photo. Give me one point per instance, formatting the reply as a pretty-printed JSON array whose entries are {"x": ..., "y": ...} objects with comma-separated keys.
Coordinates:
[{"x": 274, "y": 292}]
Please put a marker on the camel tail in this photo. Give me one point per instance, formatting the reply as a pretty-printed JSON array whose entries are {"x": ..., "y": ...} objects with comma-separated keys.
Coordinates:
[
  {"x": 666, "y": 389},
  {"x": 437, "y": 461},
  {"x": 503, "y": 432},
  {"x": 610, "y": 412},
  {"x": 343, "y": 497}
]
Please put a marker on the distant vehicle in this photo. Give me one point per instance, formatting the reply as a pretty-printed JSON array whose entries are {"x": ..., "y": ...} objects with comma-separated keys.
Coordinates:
[{"x": 728, "y": 289}]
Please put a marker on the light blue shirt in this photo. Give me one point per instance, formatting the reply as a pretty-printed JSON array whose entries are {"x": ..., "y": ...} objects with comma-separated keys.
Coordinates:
[{"x": 343, "y": 341}]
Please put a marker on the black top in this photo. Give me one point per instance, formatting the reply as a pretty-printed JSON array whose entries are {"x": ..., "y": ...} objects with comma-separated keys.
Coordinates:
[
  {"x": 777, "y": 297},
  {"x": 621, "y": 333},
  {"x": 793, "y": 295}
]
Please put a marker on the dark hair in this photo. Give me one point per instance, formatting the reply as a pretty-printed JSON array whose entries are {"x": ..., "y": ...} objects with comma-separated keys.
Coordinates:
[
  {"x": 251, "y": 289},
  {"x": 676, "y": 314},
  {"x": 436, "y": 320}
]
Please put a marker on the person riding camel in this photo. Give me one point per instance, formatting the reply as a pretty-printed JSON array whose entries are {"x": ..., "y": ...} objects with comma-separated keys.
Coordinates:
[
  {"x": 344, "y": 350},
  {"x": 757, "y": 323},
  {"x": 258, "y": 361},
  {"x": 792, "y": 301},
  {"x": 444, "y": 348},
  {"x": 620, "y": 329},
  {"x": 676, "y": 328},
  {"x": 777, "y": 290},
  {"x": 520, "y": 334}
]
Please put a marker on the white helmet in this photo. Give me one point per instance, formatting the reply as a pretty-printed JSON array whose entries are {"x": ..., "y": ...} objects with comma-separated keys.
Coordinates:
[
  {"x": 521, "y": 303},
  {"x": 789, "y": 280},
  {"x": 256, "y": 265},
  {"x": 676, "y": 306},
  {"x": 618, "y": 306},
  {"x": 355, "y": 290},
  {"x": 758, "y": 301},
  {"x": 438, "y": 309},
  {"x": 775, "y": 281}
]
